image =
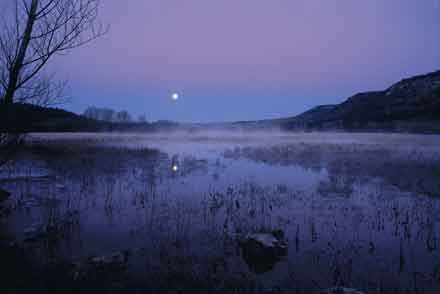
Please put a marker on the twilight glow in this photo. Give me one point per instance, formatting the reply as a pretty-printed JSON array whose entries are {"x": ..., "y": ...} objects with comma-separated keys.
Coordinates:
[{"x": 271, "y": 58}]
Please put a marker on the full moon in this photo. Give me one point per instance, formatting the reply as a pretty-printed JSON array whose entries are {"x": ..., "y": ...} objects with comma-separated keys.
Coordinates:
[{"x": 175, "y": 96}]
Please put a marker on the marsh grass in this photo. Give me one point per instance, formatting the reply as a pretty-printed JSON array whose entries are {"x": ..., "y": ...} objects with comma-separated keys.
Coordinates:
[
  {"x": 410, "y": 169},
  {"x": 372, "y": 224}
]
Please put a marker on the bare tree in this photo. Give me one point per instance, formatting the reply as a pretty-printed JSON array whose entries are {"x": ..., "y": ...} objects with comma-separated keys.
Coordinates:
[
  {"x": 142, "y": 118},
  {"x": 97, "y": 113},
  {"x": 32, "y": 33},
  {"x": 123, "y": 117}
]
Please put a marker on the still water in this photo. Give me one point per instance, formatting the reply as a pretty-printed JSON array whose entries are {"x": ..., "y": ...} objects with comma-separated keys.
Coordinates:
[{"x": 356, "y": 210}]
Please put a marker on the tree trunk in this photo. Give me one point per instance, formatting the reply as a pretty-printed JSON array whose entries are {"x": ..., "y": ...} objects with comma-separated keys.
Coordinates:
[{"x": 14, "y": 72}]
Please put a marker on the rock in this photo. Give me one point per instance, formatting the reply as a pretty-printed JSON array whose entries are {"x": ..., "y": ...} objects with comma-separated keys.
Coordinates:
[
  {"x": 61, "y": 187},
  {"x": 116, "y": 258},
  {"x": 32, "y": 202},
  {"x": 4, "y": 195},
  {"x": 34, "y": 232},
  {"x": 342, "y": 290},
  {"x": 112, "y": 264},
  {"x": 262, "y": 251}
]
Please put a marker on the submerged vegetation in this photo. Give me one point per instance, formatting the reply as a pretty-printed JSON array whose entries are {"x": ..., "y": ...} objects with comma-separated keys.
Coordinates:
[{"x": 279, "y": 214}]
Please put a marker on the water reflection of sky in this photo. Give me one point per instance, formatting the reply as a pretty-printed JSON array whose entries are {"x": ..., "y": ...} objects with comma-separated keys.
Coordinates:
[
  {"x": 203, "y": 168},
  {"x": 186, "y": 190}
]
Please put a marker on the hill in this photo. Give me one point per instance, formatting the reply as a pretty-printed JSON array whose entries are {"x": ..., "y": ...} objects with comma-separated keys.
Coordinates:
[
  {"x": 21, "y": 117},
  {"x": 410, "y": 105}
]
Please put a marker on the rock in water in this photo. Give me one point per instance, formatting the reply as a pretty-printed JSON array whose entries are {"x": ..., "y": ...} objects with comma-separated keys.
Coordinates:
[
  {"x": 60, "y": 187},
  {"x": 34, "y": 232},
  {"x": 103, "y": 266},
  {"x": 262, "y": 251},
  {"x": 116, "y": 258},
  {"x": 4, "y": 195},
  {"x": 342, "y": 290}
]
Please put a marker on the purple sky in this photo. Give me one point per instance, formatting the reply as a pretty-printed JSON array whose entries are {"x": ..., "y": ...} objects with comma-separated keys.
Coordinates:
[{"x": 249, "y": 59}]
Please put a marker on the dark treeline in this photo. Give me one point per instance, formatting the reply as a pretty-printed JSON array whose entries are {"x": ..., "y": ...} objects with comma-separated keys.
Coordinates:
[
  {"x": 25, "y": 118},
  {"x": 108, "y": 115}
]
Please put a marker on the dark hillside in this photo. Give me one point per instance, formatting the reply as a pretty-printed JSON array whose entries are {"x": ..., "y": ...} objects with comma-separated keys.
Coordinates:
[
  {"x": 411, "y": 105},
  {"x": 20, "y": 117}
]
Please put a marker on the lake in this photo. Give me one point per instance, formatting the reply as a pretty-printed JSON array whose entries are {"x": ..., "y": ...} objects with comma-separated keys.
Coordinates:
[{"x": 354, "y": 210}]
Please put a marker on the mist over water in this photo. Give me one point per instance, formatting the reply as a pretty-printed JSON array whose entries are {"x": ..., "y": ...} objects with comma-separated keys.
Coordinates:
[{"x": 359, "y": 210}]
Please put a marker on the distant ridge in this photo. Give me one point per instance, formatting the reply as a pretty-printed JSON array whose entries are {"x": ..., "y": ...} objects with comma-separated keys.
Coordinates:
[
  {"x": 22, "y": 117},
  {"x": 412, "y": 104}
]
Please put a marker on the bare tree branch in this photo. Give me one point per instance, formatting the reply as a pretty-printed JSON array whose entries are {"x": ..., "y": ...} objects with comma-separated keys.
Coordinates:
[
  {"x": 32, "y": 32},
  {"x": 35, "y": 32}
]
